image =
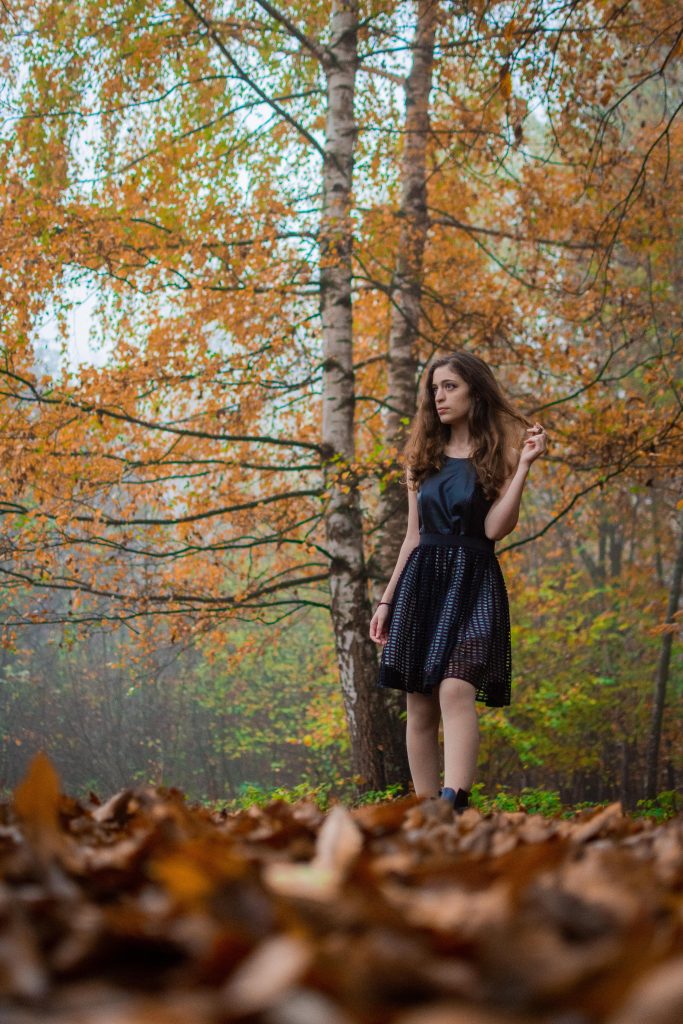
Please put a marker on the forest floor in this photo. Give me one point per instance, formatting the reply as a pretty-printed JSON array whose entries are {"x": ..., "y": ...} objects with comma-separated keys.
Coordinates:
[{"x": 145, "y": 910}]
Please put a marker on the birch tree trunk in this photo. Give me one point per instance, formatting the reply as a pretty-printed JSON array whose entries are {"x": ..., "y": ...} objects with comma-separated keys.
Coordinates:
[
  {"x": 406, "y": 296},
  {"x": 406, "y": 292},
  {"x": 369, "y": 723},
  {"x": 662, "y": 679}
]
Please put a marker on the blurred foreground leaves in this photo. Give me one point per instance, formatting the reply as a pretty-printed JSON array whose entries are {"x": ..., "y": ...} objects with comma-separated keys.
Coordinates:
[{"x": 143, "y": 910}]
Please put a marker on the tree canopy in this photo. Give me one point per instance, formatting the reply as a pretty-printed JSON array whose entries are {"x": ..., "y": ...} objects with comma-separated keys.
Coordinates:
[{"x": 274, "y": 218}]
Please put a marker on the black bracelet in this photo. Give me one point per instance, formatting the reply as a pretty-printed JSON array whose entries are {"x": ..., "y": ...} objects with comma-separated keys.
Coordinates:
[{"x": 387, "y": 603}]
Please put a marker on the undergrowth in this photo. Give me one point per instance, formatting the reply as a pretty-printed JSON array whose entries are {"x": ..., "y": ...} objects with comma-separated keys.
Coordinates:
[{"x": 529, "y": 800}]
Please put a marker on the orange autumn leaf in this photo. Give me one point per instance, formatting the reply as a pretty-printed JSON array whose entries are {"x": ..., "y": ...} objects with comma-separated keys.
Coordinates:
[{"x": 36, "y": 798}]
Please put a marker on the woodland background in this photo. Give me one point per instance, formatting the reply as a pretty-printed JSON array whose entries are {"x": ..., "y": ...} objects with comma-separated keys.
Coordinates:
[{"x": 233, "y": 235}]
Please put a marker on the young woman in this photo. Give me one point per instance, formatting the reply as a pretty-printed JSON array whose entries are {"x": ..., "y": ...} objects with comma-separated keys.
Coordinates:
[{"x": 443, "y": 620}]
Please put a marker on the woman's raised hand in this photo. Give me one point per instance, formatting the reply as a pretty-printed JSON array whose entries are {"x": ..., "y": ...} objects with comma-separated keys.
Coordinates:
[{"x": 536, "y": 444}]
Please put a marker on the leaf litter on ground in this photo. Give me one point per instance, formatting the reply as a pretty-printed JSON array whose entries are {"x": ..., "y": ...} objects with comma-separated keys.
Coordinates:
[{"x": 146, "y": 910}]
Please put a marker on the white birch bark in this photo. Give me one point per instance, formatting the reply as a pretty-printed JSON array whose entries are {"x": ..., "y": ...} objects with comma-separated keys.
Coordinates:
[
  {"x": 406, "y": 289},
  {"x": 368, "y": 720}
]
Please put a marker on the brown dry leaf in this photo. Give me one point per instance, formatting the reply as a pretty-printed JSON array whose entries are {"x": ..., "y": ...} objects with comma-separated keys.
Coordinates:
[
  {"x": 426, "y": 815},
  {"x": 272, "y": 968},
  {"x": 80, "y": 943},
  {"x": 304, "y": 1006},
  {"x": 456, "y": 1013},
  {"x": 117, "y": 856},
  {"x": 183, "y": 877},
  {"x": 115, "y": 809},
  {"x": 450, "y": 977},
  {"x": 305, "y": 812},
  {"x": 22, "y": 972},
  {"x": 452, "y": 909},
  {"x": 193, "y": 870},
  {"x": 597, "y": 880},
  {"x": 394, "y": 862},
  {"x": 97, "y": 1004},
  {"x": 390, "y": 965},
  {"x": 385, "y": 818},
  {"x": 338, "y": 845},
  {"x": 603, "y": 822},
  {"x": 535, "y": 829},
  {"x": 657, "y": 998},
  {"x": 503, "y": 842},
  {"x": 302, "y": 881},
  {"x": 537, "y": 963},
  {"x": 339, "y": 842},
  {"x": 395, "y": 913},
  {"x": 667, "y": 849}
]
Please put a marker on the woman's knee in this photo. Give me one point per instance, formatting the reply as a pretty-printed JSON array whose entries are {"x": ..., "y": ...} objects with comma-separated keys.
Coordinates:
[
  {"x": 456, "y": 693},
  {"x": 424, "y": 712}
]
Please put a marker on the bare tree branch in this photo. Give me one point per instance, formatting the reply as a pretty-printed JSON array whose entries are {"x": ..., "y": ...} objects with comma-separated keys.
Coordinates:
[
  {"x": 287, "y": 23},
  {"x": 100, "y": 410},
  {"x": 268, "y": 100}
]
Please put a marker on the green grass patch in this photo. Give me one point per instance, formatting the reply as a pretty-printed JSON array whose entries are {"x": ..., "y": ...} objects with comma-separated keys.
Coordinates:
[{"x": 530, "y": 800}]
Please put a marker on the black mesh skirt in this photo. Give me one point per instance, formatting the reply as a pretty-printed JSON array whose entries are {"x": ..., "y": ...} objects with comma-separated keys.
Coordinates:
[{"x": 450, "y": 618}]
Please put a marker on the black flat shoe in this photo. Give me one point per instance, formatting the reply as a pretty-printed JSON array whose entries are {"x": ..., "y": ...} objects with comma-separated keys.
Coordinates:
[{"x": 458, "y": 801}]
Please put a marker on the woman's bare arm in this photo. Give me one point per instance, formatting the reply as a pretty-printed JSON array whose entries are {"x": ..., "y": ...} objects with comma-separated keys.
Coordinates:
[
  {"x": 410, "y": 542},
  {"x": 503, "y": 515},
  {"x": 379, "y": 631}
]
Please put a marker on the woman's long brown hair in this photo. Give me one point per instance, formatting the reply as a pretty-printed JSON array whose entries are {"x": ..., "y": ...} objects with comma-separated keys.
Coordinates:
[{"x": 495, "y": 427}]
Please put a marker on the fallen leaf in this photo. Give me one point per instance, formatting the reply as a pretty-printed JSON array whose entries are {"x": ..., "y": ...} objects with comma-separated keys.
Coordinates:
[
  {"x": 657, "y": 998},
  {"x": 115, "y": 809},
  {"x": 601, "y": 822},
  {"x": 399, "y": 914},
  {"x": 339, "y": 842},
  {"x": 455, "y": 1013},
  {"x": 36, "y": 799},
  {"x": 303, "y": 1006},
  {"x": 302, "y": 881},
  {"x": 261, "y": 979}
]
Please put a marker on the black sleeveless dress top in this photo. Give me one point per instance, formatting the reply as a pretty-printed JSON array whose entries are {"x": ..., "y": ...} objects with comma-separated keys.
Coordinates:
[
  {"x": 450, "y": 614},
  {"x": 452, "y": 501}
]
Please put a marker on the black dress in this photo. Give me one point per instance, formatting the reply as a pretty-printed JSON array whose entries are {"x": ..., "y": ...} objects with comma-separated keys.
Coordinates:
[{"x": 450, "y": 611}]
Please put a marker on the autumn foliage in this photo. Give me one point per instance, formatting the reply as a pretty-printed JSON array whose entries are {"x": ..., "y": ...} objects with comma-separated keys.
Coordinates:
[{"x": 210, "y": 449}]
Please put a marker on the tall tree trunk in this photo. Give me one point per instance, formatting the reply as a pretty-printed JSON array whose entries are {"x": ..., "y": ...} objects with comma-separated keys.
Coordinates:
[
  {"x": 406, "y": 295},
  {"x": 368, "y": 721},
  {"x": 406, "y": 291},
  {"x": 662, "y": 679}
]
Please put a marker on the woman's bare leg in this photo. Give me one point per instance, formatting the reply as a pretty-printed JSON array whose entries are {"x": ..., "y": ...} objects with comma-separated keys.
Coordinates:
[
  {"x": 460, "y": 733},
  {"x": 422, "y": 741}
]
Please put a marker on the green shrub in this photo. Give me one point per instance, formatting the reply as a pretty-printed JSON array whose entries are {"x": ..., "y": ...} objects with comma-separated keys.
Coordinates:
[
  {"x": 252, "y": 794},
  {"x": 533, "y": 801},
  {"x": 665, "y": 805},
  {"x": 546, "y": 802}
]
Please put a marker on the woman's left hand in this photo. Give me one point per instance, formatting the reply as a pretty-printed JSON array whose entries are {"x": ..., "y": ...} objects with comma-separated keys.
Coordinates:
[
  {"x": 536, "y": 444},
  {"x": 379, "y": 626}
]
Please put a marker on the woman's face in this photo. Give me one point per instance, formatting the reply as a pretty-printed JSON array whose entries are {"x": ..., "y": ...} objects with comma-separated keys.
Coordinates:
[{"x": 451, "y": 395}]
